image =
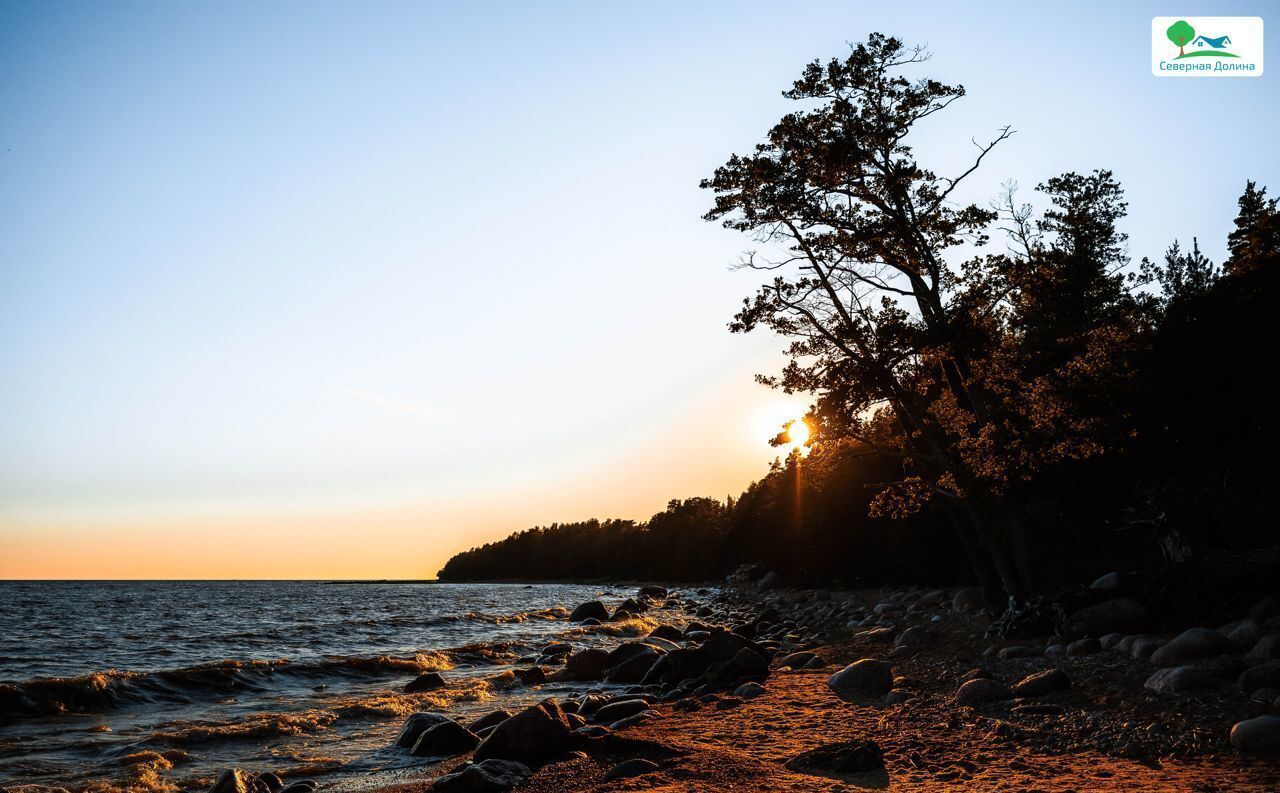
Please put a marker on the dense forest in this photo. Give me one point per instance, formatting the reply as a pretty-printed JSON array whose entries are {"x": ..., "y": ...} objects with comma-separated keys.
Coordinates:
[{"x": 1000, "y": 393}]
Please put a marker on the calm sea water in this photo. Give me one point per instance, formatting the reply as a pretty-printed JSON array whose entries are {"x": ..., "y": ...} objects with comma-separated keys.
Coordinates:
[{"x": 160, "y": 685}]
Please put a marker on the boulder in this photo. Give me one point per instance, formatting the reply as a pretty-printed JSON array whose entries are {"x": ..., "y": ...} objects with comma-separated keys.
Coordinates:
[
  {"x": 977, "y": 673},
  {"x": 881, "y": 635},
  {"x": 630, "y": 768},
  {"x": 748, "y": 690},
  {"x": 1191, "y": 644},
  {"x": 633, "y": 606},
  {"x": 1144, "y": 646},
  {"x": 723, "y": 659},
  {"x": 584, "y": 665},
  {"x": 490, "y": 776},
  {"x": 1261, "y": 734},
  {"x": 426, "y": 682},
  {"x": 489, "y": 720},
  {"x": 1266, "y": 649},
  {"x": 622, "y": 709},
  {"x": 1041, "y": 683},
  {"x": 1118, "y": 615},
  {"x": 592, "y": 609},
  {"x": 796, "y": 660},
  {"x": 668, "y": 632},
  {"x": 981, "y": 690},
  {"x": 1176, "y": 679},
  {"x": 415, "y": 725},
  {"x": 531, "y": 677},
  {"x": 532, "y": 736},
  {"x": 1242, "y": 633},
  {"x": 272, "y": 781},
  {"x": 1110, "y": 641},
  {"x": 446, "y": 739},
  {"x": 630, "y": 662},
  {"x": 653, "y": 592},
  {"x": 1264, "y": 675},
  {"x": 867, "y": 677},
  {"x": 234, "y": 780},
  {"x": 1086, "y": 646}
]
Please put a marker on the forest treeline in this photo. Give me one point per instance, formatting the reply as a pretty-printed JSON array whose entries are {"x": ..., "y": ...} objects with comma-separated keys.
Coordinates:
[{"x": 1001, "y": 394}]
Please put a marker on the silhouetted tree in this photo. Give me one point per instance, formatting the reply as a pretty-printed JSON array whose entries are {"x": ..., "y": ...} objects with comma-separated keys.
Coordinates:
[{"x": 1256, "y": 238}]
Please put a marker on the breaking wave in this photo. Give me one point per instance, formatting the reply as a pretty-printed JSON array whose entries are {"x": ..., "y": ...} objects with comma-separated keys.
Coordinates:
[{"x": 102, "y": 691}]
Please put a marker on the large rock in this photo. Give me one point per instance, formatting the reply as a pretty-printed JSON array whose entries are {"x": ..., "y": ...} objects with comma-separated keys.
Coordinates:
[
  {"x": 446, "y": 739},
  {"x": 652, "y": 592},
  {"x": 796, "y": 660},
  {"x": 1261, "y": 734},
  {"x": 584, "y": 665},
  {"x": 867, "y": 677},
  {"x": 633, "y": 606},
  {"x": 1085, "y": 646},
  {"x": 981, "y": 691},
  {"x": 629, "y": 662},
  {"x": 425, "y": 682},
  {"x": 1176, "y": 679},
  {"x": 623, "y": 709},
  {"x": 1145, "y": 646},
  {"x": 1191, "y": 644},
  {"x": 532, "y": 736},
  {"x": 592, "y": 609},
  {"x": 1265, "y": 675},
  {"x": 722, "y": 660},
  {"x": 669, "y": 632},
  {"x": 1041, "y": 683},
  {"x": 415, "y": 725},
  {"x": 489, "y": 720},
  {"x": 1266, "y": 649},
  {"x": 1119, "y": 615},
  {"x": 234, "y": 780},
  {"x": 490, "y": 776}
]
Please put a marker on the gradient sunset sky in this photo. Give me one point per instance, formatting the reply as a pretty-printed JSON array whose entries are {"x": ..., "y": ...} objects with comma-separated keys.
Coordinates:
[{"x": 317, "y": 289}]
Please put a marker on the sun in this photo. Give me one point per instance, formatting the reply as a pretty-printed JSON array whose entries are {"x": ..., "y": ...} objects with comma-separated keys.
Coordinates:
[{"x": 798, "y": 432}]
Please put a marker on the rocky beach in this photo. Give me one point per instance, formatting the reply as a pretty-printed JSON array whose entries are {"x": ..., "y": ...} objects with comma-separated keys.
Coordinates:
[{"x": 753, "y": 687}]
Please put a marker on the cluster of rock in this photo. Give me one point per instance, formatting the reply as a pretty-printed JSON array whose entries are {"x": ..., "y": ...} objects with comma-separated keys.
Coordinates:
[
  {"x": 1111, "y": 619},
  {"x": 234, "y": 780},
  {"x": 698, "y": 665}
]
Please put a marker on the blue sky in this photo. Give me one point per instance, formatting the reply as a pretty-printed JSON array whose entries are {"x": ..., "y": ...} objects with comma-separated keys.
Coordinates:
[{"x": 425, "y": 273}]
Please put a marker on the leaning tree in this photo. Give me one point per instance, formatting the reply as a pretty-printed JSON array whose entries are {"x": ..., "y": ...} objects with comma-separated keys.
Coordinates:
[{"x": 910, "y": 354}]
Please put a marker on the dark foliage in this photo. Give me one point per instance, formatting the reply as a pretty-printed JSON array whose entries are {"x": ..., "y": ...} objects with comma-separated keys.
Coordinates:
[{"x": 1020, "y": 419}]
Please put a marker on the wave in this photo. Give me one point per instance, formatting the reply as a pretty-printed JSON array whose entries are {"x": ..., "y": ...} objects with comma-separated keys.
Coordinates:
[
  {"x": 97, "y": 692},
  {"x": 257, "y": 725}
]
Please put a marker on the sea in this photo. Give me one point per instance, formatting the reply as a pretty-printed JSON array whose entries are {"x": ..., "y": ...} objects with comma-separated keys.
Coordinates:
[{"x": 159, "y": 686}]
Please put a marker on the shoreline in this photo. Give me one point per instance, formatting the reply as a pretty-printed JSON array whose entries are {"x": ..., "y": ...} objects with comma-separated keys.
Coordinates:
[{"x": 1102, "y": 729}]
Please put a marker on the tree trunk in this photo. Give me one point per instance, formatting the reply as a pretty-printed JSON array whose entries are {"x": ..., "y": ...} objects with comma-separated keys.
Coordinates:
[{"x": 993, "y": 594}]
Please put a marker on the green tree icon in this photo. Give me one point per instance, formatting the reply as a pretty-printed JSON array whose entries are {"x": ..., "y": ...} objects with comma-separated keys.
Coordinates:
[{"x": 1180, "y": 33}]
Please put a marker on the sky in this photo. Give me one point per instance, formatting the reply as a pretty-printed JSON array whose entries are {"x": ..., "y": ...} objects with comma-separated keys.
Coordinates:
[{"x": 336, "y": 290}]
